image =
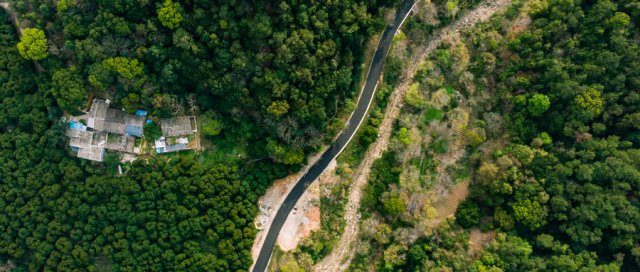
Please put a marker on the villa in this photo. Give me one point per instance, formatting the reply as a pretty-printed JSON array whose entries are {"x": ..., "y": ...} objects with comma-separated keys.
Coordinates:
[
  {"x": 106, "y": 128},
  {"x": 103, "y": 128}
]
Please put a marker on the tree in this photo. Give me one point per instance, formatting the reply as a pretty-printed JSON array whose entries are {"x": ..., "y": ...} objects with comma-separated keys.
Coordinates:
[
  {"x": 394, "y": 256},
  {"x": 382, "y": 234},
  {"x": 393, "y": 204},
  {"x": 487, "y": 173},
  {"x": 504, "y": 219},
  {"x": 63, "y": 5},
  {"x": 131, "y": 102},
  {"x": 475, "y": 139},
  {"x": 368, "y": 135},
  {"x": 184, "y": 213},
  {"x": 68, "y": 88},
  {"x": 538, "y": 104},
  {"x": 170, "y": 14},
  {"x": 275, "y": 150},
  {"x": 508, "y": 251},
  {"x": 293, "y": 156},
  {"x": 278, "y": 108},
  {"x": 183, "y": 39},
  {"x": 152, "y": 132},
  {"x": 591, "y": 101},
  {"x": 403, "y": 136},
  {"x": 127, "y": 68},
  {"x": 530, "y": 213},
  {"x": 468, "y": 214},
  {"x": 99, "y": 76},
  {"x": 413, "y": 97},
  {"x": 33, "y": 44},
  {"x": 210, "y": 125}
]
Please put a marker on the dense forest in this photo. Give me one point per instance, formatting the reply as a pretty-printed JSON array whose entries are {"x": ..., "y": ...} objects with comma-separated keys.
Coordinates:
[
  {"x": 551, "y": 143},
  {"x": 63, "y": 214},
  {"x": 266, "y": 79},
  {"x": 568, "y": 184}
]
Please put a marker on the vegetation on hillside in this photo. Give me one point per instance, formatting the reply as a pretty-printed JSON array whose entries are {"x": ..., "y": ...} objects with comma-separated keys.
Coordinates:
[{"x": 552, "y": 146}]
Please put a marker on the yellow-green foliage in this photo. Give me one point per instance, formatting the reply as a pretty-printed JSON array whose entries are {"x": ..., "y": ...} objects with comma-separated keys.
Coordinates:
[
  {"x": 278, "y": 108},
  {"x": 530, "y": 213},
  {"x": 33, "y": 44},
  {"x": 413, "y": 97},
  {"x": 170, "y": 14},
  {"x": 590, "y": 100},
  {"x": 403, "y": 136},
  {"x": 127, "y": 68}
]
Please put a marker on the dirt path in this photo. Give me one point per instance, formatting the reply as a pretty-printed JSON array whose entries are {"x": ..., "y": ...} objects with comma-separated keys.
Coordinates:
[
  {"x": 478, "y": 240},
  {"x": 13, "y": 15},
  {"x": 341, "y": 256}
]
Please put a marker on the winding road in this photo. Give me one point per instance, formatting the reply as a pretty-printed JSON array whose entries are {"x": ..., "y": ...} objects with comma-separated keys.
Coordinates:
[{"x": 341, "y": 142}]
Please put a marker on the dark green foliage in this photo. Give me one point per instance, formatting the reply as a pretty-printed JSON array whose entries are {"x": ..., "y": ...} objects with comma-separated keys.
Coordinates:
[
  {"x": 369, "y": 133},
  {"x": 384, "y": 171},
  {"x": 468, "y": 214},
  {"x": 68, "y": 89},
  {"x": 19, "y": 86},
  {"x": 446, "y": 248},
  {"x": 152, "y": 132},
  {"x": 574, "y": 186},
  {"x": 392, "y": 70},
  {"x": 432, "y": 114},
  {"x": 393, "y": 205}
]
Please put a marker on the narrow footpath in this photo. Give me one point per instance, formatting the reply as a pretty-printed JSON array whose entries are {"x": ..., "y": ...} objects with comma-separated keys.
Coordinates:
[{"x": 342, "y": 254}]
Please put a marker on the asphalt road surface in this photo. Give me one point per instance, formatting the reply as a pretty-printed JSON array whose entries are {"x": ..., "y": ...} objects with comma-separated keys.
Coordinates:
[{"x": 341, "y": 142}]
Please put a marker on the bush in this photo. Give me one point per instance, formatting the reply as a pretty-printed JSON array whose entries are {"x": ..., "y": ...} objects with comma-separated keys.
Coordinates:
[{"x": 432, "y": 114}]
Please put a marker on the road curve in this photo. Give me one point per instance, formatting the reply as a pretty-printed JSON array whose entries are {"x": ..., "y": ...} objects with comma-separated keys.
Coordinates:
[{"x": 340, "y": 143}]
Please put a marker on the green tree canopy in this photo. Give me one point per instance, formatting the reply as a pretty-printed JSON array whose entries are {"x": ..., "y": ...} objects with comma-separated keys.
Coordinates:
[
  {"x": 413, "y": 97},
  {"x": 538, "y": 104},
  {"x": 393, "y": 204},
  {"x": 278, "y": 108},
  {"x": 68, "y": 88},
  {"x": 468, "y": 214},
  {"x": 170, "y": 14},
  {"x": 33, "y": 44},
  {"x": 530, "y": 213},
  {"x": 125, "y": 67},
  {"x": 210, "y": 125}
]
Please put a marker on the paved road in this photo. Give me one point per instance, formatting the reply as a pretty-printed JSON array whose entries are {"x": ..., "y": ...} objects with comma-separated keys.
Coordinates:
[{"x": 341, "y": 142}]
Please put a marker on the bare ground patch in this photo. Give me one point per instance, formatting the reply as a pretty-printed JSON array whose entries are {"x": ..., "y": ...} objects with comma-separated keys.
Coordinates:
[
  {"x": 479, "y": 239},
  {"x": 447, "y": 205}
]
